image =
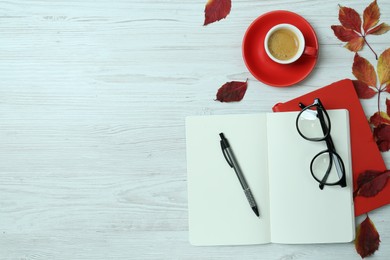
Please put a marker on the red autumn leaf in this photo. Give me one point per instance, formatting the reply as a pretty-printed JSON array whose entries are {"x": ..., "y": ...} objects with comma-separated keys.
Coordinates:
[
  {"x": 367, "y": 238},
  {"x": 364, "y": 71},
  {"x": 370, "y": 16},
  {"x": 344, "y": 34},
  {"x": 380, "y": 29},
  {"x": 232, "y": 91},
  {"x": 352, "y": 31},
  {"x": 363, "y": 90},
  {"x": 388, "y": 106},
  {"x": 364, "y": 178},
  {"x": 367, "y": 176},
  {"x": 382, "y": 136},
  {"x": 349, "y": 18},
  {"x": 216, "y": 10},
  {"x": 370, "y": 183},
  {"x": 379, "y": 118},
  {"x": 383, "y": 67},
  {"x": 387, "y": 88}
]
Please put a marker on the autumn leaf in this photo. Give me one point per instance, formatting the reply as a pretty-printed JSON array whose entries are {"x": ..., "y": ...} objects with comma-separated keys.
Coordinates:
[
  {"x": 216, "y": 10},
  {"x": 344, "y": 34},
  {"x": 388, "y": 106},
  {"x": 370, "y": 183},
  {"x": 371, "y": 16},
  {"x": 380, "y": 29},
  {"x": 364, "y": 71},
  {"x": 232, "y": 91},
  {"x": 382, "y": 137},
  {"x": 379, "y": 118},
  {"x": 367, "y": 238},
  {"x": 366, "y": 87},
  {"x": 363, "y": 90},
  {"x": 349, "y": 18},
  {"x": 353, "y": 32},
  {"x": 383, "y": 67}
]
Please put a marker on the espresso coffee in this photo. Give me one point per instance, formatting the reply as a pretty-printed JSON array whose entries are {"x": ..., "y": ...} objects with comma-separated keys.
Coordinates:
[{"x": 283, "y": 44}]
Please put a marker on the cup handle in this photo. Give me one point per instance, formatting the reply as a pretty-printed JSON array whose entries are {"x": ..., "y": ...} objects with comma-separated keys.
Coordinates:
[{"x": 310, "y": 51}]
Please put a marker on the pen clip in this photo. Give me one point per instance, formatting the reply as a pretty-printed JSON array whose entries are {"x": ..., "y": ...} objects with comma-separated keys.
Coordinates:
[{"x": 223, "y": 147}]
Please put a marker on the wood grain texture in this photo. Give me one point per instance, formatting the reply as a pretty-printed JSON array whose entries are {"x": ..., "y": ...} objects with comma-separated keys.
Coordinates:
[{"x": 93, "y": 96}]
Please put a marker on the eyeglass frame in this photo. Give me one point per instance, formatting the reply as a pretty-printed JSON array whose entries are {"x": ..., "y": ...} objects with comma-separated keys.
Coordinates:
[{"x": 331, "y": 150}]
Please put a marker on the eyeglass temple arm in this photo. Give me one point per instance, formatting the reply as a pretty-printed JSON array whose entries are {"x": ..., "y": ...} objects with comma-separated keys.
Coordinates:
[
  {"x": 323, "y": 181},
  {"x": 331, "y": 147}
]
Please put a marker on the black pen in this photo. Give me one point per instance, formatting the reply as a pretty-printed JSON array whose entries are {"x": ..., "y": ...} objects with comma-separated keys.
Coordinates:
[{"x": 231, "y": 160}]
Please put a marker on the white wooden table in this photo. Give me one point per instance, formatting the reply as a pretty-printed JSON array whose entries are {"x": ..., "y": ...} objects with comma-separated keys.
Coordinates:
[{"x": 93, "y": 96}]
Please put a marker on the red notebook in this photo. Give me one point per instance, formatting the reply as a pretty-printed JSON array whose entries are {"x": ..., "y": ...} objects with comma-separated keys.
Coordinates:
[{"x": 365, "y": 153}]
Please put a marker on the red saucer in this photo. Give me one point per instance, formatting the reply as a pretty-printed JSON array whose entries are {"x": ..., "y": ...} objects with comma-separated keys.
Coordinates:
[{"x": 265, "y": 69}]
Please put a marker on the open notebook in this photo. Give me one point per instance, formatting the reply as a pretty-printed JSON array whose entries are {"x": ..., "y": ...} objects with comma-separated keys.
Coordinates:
[{"x": 275, "y": 161}]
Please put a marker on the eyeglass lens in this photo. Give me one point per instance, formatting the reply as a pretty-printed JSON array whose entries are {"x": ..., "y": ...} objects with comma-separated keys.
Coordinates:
[
  {"x": 322, "y": 169},
  {"x": 309, "y": 124}
]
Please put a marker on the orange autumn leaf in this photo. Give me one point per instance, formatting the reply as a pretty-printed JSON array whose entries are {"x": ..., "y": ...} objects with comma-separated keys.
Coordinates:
[
  {"x": 216, "y": 10},
  {"x": 364, "y": 71},
  {"x": 380, "y": 29},
  {"x": 370, "y": 16},
  {"x": 383, "y": 67},
  {"x": 355, "y": 45},
  {"x": 367, "y": 238}
]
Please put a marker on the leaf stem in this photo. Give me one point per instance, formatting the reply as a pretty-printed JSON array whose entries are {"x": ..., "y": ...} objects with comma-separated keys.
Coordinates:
[{"x": 365, "y": 40}]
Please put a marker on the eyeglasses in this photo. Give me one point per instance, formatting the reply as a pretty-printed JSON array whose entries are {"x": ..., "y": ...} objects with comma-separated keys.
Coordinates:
[{"x": 313, "y": 124}]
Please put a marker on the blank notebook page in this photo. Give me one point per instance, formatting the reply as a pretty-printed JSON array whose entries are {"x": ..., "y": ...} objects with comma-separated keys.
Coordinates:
[
  {"x": 300, "y": 211},
  {"x": 219, "y": 213}
]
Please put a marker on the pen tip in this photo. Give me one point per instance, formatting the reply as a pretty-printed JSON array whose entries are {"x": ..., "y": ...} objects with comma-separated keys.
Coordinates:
[
  {"x": 221, "y": 135},
  {"x": 256, "y": 211}
]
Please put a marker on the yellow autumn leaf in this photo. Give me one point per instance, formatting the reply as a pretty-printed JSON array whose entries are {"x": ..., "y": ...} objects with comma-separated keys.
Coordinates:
[{"x": 383, "y": 67}]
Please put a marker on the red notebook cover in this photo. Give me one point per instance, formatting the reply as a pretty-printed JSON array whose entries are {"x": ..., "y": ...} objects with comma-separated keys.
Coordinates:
[{"x": 365, "y": 153}]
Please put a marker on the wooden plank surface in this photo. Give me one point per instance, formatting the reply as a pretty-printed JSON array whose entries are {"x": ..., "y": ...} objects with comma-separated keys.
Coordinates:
[{"x": 93, "y": 98}]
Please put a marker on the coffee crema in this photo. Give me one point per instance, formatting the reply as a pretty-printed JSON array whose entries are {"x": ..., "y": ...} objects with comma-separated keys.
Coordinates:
[{"x": 283, "y": 44}]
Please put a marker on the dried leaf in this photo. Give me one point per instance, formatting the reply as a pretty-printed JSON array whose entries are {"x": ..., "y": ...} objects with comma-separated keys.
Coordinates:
[
  {"x": 383, "y": 67},
  {"x": 216, "y": 10},
  {"x": 370, "y": 16},
  {"x": 367, "y": 176},
  {"x": 364, "y": 71},
  {"x": 344, "y": 34},
  {"x": 351, "y": 24},
  {"x": 382, "y": 137},
  {"x": 380, "y": 118},
  {"x": 367, "y": 238},
  {"x": 355, "y": 45},
  {"x": 349, "y": 18},
  {"x": 363, "y": 90},
  {"x": 371, "y": 183},
  {"x": 388, "y": 106},
  {"x": 232, "y": 91},
  {"x": 380, "y": 29}
]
